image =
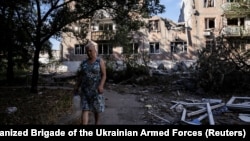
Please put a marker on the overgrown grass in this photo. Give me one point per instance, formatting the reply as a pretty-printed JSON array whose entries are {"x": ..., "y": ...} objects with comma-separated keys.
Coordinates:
[{"x": 44, "y": 108}]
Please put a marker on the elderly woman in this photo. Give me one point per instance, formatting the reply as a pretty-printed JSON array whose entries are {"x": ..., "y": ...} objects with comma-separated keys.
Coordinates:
[{"x": 91, "y": 80}]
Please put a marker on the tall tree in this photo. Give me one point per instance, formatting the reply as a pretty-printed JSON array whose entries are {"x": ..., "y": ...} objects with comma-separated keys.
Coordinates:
[
  {"x": 13, "y": 41},
  {"x": 225, "y": 64},
  {"x": 48, "y": 18}
]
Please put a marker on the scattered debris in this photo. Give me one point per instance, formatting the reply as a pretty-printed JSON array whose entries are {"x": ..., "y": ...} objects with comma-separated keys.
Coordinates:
[
  {"x": 244, "y": 117},
  {"x": 207, "y": 107},
  {"x": 11, "y": 110},
  {"x": 212, "y": 101},
  {"x": 204, "y": 110},
  {"x": 210, "y": 115},
  {"x": 148, "y": 106},
  {"x": 239, "y": 103},
  {"x": 196, "y": 121},
  {"x": 159, "y": 117},
  {"x": 179, "y": 108}
]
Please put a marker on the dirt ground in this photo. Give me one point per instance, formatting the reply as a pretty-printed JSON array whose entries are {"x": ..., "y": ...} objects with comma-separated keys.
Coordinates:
[
  {"x": 137, "y": 105},
  {"x": 121, "y": 109},
  {"x": 129, "y": 103}
]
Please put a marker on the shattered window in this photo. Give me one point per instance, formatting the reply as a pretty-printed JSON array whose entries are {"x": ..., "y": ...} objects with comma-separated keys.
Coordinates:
[
  {"x": 154, "y": 25},
  {"x": 154, "y": 47},
  {"x": 235, "y": 21},
  {"x": 178, "y": 47},
  {"x": 209, "y": 23}
]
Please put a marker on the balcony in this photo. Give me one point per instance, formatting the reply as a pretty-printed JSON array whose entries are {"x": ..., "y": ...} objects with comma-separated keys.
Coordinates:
[
  {"x": 235, "y": 9},
  {"x": 232, "y": 31},
  {"x": 230, "y": 6},
  {"x": 102, "y": 35}
]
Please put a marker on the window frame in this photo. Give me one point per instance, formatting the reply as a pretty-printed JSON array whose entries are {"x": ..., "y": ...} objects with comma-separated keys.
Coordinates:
[
  {"x": 236, "y": 21},
  {"x": 79, "y": 49},
  {"x": 208, "y": 3},
  {"x": 133, "y": 49},
  {"x": 154, "y": 26},
  {"x": 105, "y": 50},
  {"x": 105, "y": 27},
  {"x": 174, "y": 47},
  {"x": 208, "y": 23},
  {"x": 154, "y": 48}
]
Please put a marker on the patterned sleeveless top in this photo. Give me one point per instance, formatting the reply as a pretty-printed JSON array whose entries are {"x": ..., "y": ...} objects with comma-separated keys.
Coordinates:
[{"x": 91, "y": 77}]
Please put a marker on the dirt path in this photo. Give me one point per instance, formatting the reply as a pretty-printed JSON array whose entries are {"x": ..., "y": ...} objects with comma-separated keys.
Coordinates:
[
  {"x": 121, "y": 109},
  {"x": 126, "y": 105}
]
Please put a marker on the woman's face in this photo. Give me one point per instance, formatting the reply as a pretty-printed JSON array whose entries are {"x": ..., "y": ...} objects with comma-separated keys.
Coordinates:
[{"x": 91, "y": 52}]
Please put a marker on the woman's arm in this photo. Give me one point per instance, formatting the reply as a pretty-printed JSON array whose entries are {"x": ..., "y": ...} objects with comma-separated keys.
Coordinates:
[{"x": 103, "y": 76}]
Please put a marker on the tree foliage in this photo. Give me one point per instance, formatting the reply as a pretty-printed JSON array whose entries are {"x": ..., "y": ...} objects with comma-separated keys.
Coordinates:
[
  {"x": 15, "y": 52},
  {"x": 42, "y": 19},
  {"x": 224, "y": 66}
]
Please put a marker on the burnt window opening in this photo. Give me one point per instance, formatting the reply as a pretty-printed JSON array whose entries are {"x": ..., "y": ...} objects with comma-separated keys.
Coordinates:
[
  {"x": 209, "y": 23},
  {"x": 178, "y": 47},
  {"x": 154, "y": 47},
  {"x": 235, "y": 21},
  {"x": 154, "y": 25}
]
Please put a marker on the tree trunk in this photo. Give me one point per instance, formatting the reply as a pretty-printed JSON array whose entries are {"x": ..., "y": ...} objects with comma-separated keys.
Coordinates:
[
  {"x": 10, "y": 72},
  {"x": 35, "y": 72}
]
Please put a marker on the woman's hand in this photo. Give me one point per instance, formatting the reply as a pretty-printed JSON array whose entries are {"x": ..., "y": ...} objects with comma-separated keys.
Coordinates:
[{"x": 100, "y": 89}]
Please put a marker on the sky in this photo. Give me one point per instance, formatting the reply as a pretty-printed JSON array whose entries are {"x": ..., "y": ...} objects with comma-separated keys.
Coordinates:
[
  {"x": 172, "y": 11},
  {"x": 55, "y": 44}
]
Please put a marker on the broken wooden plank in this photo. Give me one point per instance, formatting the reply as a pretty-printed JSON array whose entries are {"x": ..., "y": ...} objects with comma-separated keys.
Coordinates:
[
  {"x": 195, "y": 121},
  {"x": 210, "y": 114},
  {"x": 187, "y": 104},
  {"x": 211, "y": 101},
  {"x": 183, "y": 117},
  {"x": 204, "y": 109}
]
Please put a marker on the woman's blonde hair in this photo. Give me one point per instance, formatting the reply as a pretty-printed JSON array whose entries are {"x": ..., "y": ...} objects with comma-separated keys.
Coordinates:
[{"x": 91, "y": 44}]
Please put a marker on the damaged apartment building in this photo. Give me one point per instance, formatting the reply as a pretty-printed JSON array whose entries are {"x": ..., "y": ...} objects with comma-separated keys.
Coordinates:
[{"x": 164, "y": 41}]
